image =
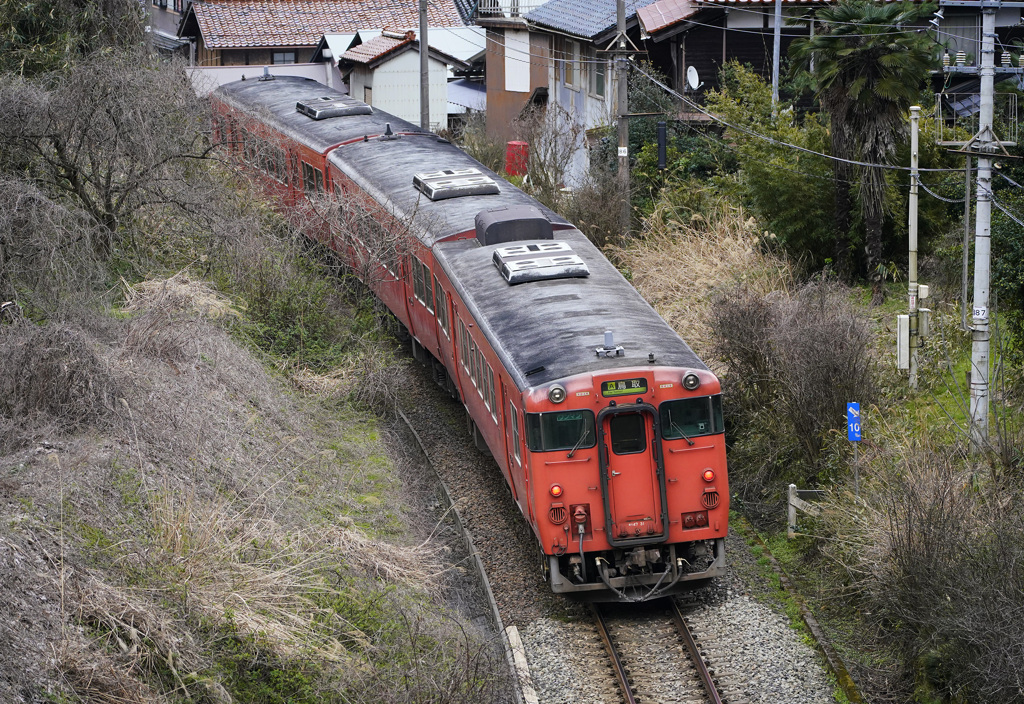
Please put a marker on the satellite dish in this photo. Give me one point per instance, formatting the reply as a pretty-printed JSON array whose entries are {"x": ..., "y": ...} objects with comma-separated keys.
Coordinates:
[{"x": 692, "y": 79}]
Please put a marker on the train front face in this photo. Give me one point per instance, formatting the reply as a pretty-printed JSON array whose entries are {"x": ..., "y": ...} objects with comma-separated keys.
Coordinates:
[{"x": 629, "y": 485}]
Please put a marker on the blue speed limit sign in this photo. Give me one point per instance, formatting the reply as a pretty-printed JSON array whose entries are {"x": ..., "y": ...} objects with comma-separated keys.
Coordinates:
[{"x": 853, "y": 421}]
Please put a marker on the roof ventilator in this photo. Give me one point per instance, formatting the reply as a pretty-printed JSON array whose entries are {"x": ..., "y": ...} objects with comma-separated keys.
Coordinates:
[
  {"x": 454, "y": 183},
  {"x": 267, "y": 75},
  {"x": 512, "y": 223},
  {"x": 610, "y": 349},
  {"x": 327, "y": 106},
  {"x": 538, "y": 261}
]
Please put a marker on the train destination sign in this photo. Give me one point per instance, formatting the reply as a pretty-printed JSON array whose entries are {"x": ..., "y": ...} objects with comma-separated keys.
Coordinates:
[{"x": 624, "y": 387}]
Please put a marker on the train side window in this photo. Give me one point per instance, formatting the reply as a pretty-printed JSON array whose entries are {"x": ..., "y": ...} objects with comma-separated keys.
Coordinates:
[
  {"x": 513, "y": 419},
  {"x": 428, "y": 291},
  {"x": 441, "y": 303},
  {"x": 472, "y": 360},
  {"x": 480, "y": 366},
  {"x": 417, "y": 279},
  {"x": 421, "y": 284},
  {"x": 490, "y": 392},
  {"x": 312, "y": 179},
  {"x": 463, "y": 356}
]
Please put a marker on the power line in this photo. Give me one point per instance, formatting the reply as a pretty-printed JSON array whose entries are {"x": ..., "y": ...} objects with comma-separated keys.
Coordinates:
[{"x": 772, "y": 140}]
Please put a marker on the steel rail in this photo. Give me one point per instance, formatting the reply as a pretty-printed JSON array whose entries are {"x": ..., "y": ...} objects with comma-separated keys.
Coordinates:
[
  {"x": 695, "y": 656},
  {"x": 620, "y": 671}
]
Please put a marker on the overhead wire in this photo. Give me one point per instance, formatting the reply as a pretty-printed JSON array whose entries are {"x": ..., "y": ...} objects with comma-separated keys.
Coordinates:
[{"x": 772, "y": 140}]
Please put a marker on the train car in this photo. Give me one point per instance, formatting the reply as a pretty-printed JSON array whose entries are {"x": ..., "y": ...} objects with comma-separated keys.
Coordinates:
[{"x": 606, "y": 426}]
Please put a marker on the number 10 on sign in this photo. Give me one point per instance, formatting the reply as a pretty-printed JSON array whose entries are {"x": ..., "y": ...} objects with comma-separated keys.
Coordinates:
[{"x": 853, "y": 421}]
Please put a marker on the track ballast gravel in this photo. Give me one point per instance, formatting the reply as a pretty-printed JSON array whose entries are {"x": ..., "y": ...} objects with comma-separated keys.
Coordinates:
[{"x": 757, "y": 657}]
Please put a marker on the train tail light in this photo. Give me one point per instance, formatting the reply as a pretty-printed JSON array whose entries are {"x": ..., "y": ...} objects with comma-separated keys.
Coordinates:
[
  {"x": 709, "y": 475},
  {"x": 556, "y": 490},
  {"x": 697, "y": 519}
]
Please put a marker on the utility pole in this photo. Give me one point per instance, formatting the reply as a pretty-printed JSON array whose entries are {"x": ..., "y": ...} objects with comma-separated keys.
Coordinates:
[
  {"x": 986, "y": 145},
  {"x": 622, "y": 107},
  {"x": 983, "y": 145},
  {"x": 915, "y": 339},
  {"x": 776, "y": 56},
  {"x": 424, "y": 69}
]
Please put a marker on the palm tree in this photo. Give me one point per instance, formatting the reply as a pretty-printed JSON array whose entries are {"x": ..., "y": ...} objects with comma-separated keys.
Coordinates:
[{"x": 867, "y": 64}]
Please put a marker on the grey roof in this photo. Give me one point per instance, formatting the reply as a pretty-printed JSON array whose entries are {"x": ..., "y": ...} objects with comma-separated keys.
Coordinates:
[
  {"x": 582, "y": 18},
  {"x": 541, "y": 331}
]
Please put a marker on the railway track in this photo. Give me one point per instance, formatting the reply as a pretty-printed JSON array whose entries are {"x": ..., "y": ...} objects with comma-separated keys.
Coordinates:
[{"x": 654, "y": 655}]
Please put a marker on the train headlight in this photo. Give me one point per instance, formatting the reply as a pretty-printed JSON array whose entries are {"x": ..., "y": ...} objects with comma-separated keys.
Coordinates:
[
  {"x": 691, "y": 381},
  {"x": 556, "y": 394},
  {"x": 709, "y": 475},
  {"x": 556, "y": 490}
]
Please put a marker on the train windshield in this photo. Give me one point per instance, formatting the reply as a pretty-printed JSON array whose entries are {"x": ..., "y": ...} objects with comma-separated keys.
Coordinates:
[
  {"x": 560, "y": 430},
  {"x": 691, "y": 417}
]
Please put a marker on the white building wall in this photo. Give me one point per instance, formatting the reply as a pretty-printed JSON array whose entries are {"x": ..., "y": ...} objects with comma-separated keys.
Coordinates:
[
  {"x": 591, "y": 110},
  {"x": 396, "y": 89}
]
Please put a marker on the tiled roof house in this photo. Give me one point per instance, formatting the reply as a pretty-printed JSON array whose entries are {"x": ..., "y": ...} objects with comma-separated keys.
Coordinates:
[
  {"x": 385, "y": 72},
  {"x": 243, "y": 32}
]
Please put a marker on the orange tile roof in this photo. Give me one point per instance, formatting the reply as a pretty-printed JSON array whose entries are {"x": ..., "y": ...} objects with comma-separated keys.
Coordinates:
[
  {"x": 377, "y": 47},
  {"x": 665, "y": 13},
  {"x": 226, "y": 24}
]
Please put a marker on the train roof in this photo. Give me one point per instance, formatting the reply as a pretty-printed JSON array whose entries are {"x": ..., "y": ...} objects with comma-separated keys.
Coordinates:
[
  {"x": 550, "y": 329},
  {"x": 385, "y": 169},
  {"x": 275, "y": 99},
  {"x": 542, "y": 330}
]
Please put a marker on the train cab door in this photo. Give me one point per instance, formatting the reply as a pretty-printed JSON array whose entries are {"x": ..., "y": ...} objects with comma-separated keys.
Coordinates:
[
  {"x": 632, "y": 475},
  {"x": 513, "y": 449}
]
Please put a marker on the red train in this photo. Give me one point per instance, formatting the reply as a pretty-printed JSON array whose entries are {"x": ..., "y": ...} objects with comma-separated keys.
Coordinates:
[{"x": 605, "y": 424}]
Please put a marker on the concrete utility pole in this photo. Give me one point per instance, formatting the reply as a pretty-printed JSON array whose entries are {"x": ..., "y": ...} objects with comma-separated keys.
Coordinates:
[
  {"x": 424, "y": 69},
  {"x": 915, "y": 339},
  {"x": 622, "y": 107},
  {"x": 986, "y": 144}
]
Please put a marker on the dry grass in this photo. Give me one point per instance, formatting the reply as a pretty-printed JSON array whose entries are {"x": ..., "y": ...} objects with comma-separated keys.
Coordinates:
[
  {"x": 212, "y": 511},
  {"x": 55, "y": 376},
  {"x": 178, "y": 294},
  {"x": 677, "y": 265}
]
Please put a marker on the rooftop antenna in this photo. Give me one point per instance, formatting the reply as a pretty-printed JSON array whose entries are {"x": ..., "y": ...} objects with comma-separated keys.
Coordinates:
[{"x": 692, "y": 79}]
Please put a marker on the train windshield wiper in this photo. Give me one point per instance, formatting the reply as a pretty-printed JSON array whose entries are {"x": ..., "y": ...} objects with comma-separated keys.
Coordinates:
[
  {"x": 583, "y": 436},
  {"x": 678, "y": 429}
]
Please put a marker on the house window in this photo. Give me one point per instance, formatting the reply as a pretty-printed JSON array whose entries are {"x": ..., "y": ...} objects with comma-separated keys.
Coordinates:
[
  {"x": 567, "y": 55},
  {"x": 598, "y": 71},
  {"x": 570, "y": 63},
  {"x": 283, "y": 57}
]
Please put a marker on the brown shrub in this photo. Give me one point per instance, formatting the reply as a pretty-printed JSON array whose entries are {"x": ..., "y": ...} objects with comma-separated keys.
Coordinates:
[
  {"x": 933, "y": 551},
  {"x": 54, "y": 374}
]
